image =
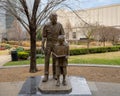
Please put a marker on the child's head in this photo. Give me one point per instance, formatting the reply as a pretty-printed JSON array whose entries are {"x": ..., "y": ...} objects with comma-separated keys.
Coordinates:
[{"x": 61, "y": 39}]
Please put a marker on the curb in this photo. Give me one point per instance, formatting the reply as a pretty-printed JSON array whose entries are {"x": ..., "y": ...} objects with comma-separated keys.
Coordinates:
[
  {"x": 79, "y": 65},
  {"x": 95, "y": 65}
]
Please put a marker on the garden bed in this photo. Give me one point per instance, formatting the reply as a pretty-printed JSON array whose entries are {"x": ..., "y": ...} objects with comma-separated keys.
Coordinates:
[{"x": 99, "y": 74}]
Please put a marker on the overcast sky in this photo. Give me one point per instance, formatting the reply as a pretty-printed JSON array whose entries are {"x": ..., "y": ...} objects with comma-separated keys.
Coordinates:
[
  {"x": 95, "y": 3},
  {"x": 77, "y": 4},
  {"x": 82, "y": 4}
]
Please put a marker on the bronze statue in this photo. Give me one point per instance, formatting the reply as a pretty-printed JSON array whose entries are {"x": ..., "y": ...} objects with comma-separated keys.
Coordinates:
[
  {"x": 50, "y": 34},
  {"x": 61, "y": 51}
]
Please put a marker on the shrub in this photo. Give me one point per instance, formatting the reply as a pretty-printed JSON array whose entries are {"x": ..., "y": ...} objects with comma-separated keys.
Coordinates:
[
  {"x": 27, "y": 50},
  {"x": 94, "y": 50},
  {"x": 98, "y": 50},
  {"x": 78, "y": 51},
  {"x": 26, "y": 44},
  {"x": 111, "y": 49},
  {"x": 86, "y": 51},
  {"x": 40, "y": 56},
  {"x": 19, "y": 49},
  {"x": 38, "y": 44},
  {"x": 23, "y": 55},
  {"x": 38, "y": 51},
  {"x": 7, "y": 46},
  {"x": 13, "y": 42}
]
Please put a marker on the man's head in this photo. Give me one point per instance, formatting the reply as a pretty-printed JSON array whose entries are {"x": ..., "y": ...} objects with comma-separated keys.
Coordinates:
[
  {"x": 53, "y": 18},
  {"x": 61, "y": 39}
]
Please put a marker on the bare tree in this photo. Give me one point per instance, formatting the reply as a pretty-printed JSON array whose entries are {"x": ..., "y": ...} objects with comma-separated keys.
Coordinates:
[
  {"x": 103, "y": 34},
  {"x": 18, "y": 31},
  {"x": 68, "y": 29},
  {"x": 31, "y": 18},
  {"x": 88, "y": 31},
  {"x": 107, "y": 33},
  {"x": 114, "y": 35}
]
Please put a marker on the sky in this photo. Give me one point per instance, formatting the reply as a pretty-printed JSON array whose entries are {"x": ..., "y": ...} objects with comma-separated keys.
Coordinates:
[
  {"x": 95, "y": 3},
  {"x": 81, "y": 4},
  {"x": 84, "y": 4}
]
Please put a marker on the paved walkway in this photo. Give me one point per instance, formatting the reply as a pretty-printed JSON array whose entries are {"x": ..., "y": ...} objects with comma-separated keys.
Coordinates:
[
  {"x": 104, "y": 88},
  {"x": 10, "y": 88},
  {"x": 4, "y": 59},
  {"x": 97, "y": 88}
]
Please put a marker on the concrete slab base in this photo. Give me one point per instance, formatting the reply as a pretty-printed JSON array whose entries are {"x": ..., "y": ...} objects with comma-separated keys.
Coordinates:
[
  {"x": 50, "y": 87},
  {"x": 79, "y": 87}
]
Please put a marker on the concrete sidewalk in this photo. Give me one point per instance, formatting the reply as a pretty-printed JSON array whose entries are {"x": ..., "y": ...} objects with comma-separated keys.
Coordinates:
[
  {"x": 104, "y": 88},
  {"x": 97, "y": 88},
  {"x": 10, "y": 88},
  {"x": 4, "y": 59}
]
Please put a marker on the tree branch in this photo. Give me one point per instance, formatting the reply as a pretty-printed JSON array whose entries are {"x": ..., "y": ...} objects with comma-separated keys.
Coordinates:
[{"x": 25, "y": 7}]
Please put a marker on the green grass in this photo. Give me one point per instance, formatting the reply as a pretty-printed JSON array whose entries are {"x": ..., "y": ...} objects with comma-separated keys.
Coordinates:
[
  {"x": 24, "y": 62},
  {"x": 111, "y": 58},
  {"x": 96, "y": 61}
]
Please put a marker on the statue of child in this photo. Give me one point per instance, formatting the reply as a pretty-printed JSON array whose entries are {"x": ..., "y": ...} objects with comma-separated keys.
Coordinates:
[{"x": 61, "y": 51}]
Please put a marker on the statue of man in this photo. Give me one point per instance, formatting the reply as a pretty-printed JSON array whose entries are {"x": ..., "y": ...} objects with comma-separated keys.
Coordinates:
[{"x": 50, "y": 34}]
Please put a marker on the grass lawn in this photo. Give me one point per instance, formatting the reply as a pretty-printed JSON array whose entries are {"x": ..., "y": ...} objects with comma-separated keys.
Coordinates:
[
  {"x": 111, "y": 58},
  {"x": 4, "y": 52}
]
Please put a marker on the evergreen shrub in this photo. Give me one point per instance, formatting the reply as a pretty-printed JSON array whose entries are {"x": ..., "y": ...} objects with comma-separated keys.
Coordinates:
[
  {"x": 23, "y": 55},
  {"x": 94, "y": 50}
]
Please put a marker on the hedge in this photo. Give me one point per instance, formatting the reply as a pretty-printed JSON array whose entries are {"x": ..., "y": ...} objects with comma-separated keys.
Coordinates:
[
  {"x": 38, "y": 51},
  {"x": 78, "y": 51},
  {"x": 87, "y": 51},
  {"x": 94, "y": 50}
]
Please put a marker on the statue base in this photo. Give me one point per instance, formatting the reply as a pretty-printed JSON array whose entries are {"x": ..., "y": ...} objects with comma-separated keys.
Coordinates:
[
  {"x": 32, "y": 87},
  {"x": 50, "y": 87}
]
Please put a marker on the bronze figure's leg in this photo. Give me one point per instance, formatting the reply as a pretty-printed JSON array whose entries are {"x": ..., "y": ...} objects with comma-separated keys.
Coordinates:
[
  {"x": 57, "y": 72},
  {"x": 64, "y": 75},
  {"x": 58, "y": 80},
  {"x": 54, "y": 67},
  {"x": 64, "y": 80},
  {"x": 47, "y": 60}
]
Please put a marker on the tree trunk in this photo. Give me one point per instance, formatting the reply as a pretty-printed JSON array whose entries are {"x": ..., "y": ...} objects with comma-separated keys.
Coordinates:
[
  {"x": 104, "y": 43},
  {"x": 33, "y": 67},
  {"x": 88, "y": 44}
]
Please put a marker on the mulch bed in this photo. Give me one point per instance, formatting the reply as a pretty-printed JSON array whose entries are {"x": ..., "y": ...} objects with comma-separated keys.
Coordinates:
[{"x": 99, "y": 74}]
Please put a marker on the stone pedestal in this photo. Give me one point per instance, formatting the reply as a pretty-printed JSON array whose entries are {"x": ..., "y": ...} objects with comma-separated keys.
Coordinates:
[
  {"x": 33, "y": 85},
  {"x": 51, "y": 88}
]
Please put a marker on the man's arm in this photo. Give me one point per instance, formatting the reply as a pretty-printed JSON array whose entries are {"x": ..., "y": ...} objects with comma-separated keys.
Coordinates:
[
  {"x": 43, "y": 44},
  {"x": 44, "y": 35},
  {"x": 61, "y": 30}
]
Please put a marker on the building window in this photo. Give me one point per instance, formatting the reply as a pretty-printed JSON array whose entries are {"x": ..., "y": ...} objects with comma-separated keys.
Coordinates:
[{"x": 74, "y": 35}]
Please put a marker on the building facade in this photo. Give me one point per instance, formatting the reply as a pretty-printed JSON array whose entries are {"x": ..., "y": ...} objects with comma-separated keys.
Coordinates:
[
  {"x": 73, "y": 22},
  {"x": 13, "y": 29},
  {"x": 105, "y": 15}
]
